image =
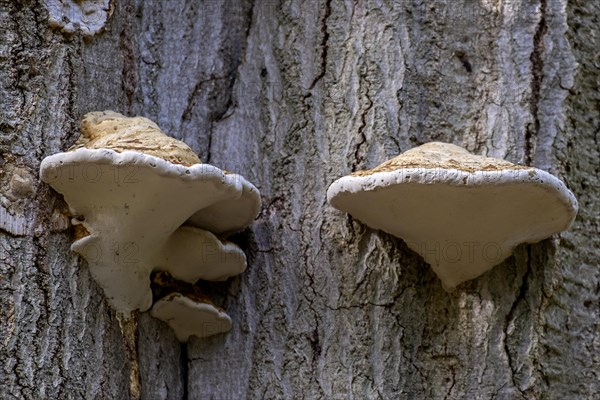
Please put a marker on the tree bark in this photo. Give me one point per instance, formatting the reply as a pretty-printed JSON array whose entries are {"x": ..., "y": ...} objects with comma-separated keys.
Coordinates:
[{"x": 293, "y": 95}]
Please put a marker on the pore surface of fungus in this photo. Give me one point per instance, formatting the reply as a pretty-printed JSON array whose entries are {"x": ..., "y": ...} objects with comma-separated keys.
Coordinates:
[
  {"x": 130, "y": 188},
  {"x": 461, "y": 212},
  {"x": 191, "y": 254},
  {"x": 188, "y": 316},
  {"x": 230, "y": 216}
]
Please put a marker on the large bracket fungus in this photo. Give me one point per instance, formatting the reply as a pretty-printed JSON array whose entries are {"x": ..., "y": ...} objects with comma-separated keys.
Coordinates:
[
  {"x": 462, "y": 213},
  {"x": 131, "y": 189}
]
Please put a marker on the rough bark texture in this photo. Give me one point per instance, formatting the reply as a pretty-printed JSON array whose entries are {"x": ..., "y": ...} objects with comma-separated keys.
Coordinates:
[{"x": 292, "y": 95}]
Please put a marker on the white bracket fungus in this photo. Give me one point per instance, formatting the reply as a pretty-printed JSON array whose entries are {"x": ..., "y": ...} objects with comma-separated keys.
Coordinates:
[
  {"x": 130, "y": 189},
  {"x": 191, "y": 254},
  {"x": 188, "y": 316},
  {"x": 462, "y": 213},
  {"x": 186, "y": 309},
  {"x": 227, "y": 216}
]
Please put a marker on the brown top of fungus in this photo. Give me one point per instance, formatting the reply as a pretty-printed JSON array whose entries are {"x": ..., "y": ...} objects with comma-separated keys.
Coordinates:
[
  {"x": 111, "y": 130},
  {"x": 444, "y": 156}
]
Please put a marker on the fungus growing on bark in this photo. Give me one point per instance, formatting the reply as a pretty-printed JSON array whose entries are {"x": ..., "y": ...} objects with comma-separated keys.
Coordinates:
[
  {"x": 130, "y": 188},
  {"x": 462, "y": 213},
  {"x": 187, "y": 316},
  {"x": 191, "y": 254},
  {"x": 186, "y": 309},
  {"x": 230, "y": 216}
]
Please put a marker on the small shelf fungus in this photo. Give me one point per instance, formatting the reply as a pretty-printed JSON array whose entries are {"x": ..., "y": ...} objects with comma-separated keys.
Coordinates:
[
  {"x": 461, "y": 212},
  {"x": 144, "y": 202},
  {"x": 191, "y": 254},
  {"x": 186, "y": 309}
]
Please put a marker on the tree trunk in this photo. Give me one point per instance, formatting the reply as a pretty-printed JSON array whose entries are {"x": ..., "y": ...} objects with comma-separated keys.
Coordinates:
[{"x": 293, "y": 95}]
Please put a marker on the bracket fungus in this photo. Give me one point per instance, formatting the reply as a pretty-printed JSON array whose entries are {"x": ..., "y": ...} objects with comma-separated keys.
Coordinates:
[
  {"x": 186, "y": 309},
  {"x": 461, "y": 212},
  {"x": 187, "y": 316},
  {"x": 230, "y": 216},
  {"x": 191, "y": 254},
  {"x": 130, "y": 189}
]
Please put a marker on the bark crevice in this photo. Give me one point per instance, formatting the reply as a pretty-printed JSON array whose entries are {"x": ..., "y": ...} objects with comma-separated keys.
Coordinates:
[
  {"x": 362, "y": 137},
  {"x": 537, "y": 76},
  {"x": 324, "y": 45}
]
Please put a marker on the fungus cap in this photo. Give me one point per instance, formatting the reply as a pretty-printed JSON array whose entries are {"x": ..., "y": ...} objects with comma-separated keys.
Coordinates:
[
  {"x": 189, "y": 317},
  {"x": 462, "y": 213},
  {"x": 128, "y": 204},
  {"x": 191, "y": 254},
  {"x": 230, "y": 216}
]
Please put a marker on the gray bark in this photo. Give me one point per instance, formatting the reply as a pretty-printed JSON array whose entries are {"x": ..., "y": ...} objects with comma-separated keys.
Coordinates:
[{"x": 293, "y": 95}]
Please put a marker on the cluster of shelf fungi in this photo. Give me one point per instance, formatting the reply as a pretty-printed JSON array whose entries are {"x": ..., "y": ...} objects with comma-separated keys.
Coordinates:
[
  {"x": 145, "y": 206},
  {"x": 152, "y": 220}
]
